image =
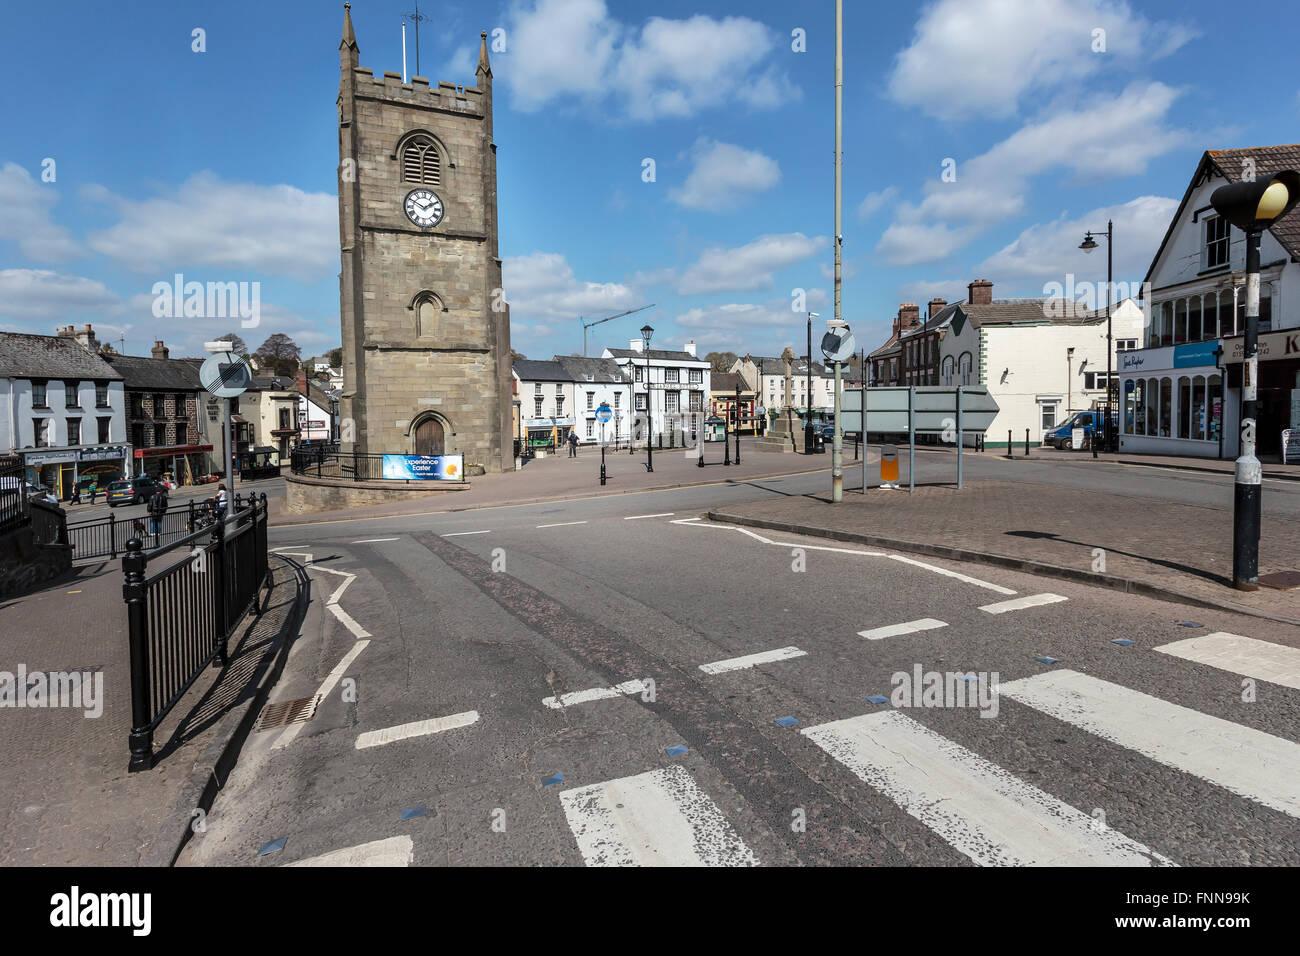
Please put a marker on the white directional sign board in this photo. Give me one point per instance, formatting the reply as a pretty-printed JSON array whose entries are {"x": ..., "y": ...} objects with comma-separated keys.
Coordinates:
[
  {"x": 934, "y": 408},
  {"x": 225, "y": 375}
]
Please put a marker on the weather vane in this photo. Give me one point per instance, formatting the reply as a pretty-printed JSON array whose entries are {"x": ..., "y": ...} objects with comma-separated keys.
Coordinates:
[{"x": 416, "y": 18}]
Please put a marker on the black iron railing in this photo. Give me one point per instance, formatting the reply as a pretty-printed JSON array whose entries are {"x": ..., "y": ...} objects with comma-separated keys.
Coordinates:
[
  {"x": 49, "y": 523},
  {"x": 107, "y": 537},
  {"x": 181, "y": 616},
  {"x": 13, "y": 498}
]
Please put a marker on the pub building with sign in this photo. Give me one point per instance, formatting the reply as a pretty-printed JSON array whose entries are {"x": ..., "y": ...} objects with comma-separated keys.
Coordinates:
[
  {"x": 1181, "y": 394},
  {"x": 62, "y": 410}
]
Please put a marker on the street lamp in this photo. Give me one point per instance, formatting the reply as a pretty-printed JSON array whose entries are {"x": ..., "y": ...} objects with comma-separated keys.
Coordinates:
[
  {"x": 1088, "y": 245},
  {"x": 807, "y": 404},
  {"x": 646, "y": 332},
  {"x": 1252, "y": 207}
]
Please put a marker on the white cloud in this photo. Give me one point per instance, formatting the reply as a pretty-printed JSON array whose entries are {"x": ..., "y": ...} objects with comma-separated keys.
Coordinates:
[
  {"x": 463, "y": 63},
  {"x": 872, "y": 203},
  {"x": 753, "y": 327},
  {"x": 749, "y": 267},
  {"x": 560, "y": 49},
  {"x": 208, "y": 221},
  {"x": 26, "y": 203},
  {"x": 185, "y": 337},
  {"x": 543, "y": 286},
  {"x": 950, "y": 290},
  {"x": 39, "y": 294},
  {"x": 991, "y": 187},
  {"x": 724, "y": 176},
  {"x": 1004, "y": 50},
  {"x": 1047, "y": 252}
]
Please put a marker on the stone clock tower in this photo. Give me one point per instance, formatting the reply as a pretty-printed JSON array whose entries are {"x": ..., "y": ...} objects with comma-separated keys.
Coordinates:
[{"x": 426, "y": 331}]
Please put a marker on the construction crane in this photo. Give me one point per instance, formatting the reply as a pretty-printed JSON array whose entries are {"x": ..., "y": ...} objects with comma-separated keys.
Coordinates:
[{"x": 587, "y": 325}]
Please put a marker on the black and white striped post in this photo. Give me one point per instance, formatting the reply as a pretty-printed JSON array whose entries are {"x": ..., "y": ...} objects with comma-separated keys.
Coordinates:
[{"x": 1252, "y": 206}]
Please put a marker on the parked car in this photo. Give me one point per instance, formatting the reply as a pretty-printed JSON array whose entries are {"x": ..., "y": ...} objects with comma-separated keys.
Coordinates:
[
  {"x": 1062, "y": 436},
  {"x": 131, "y": 491}
]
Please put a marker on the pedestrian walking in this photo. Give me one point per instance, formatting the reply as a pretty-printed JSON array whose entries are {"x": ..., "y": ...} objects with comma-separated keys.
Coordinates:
[
  {"x": 76, "y": 495},
  {"x": 94, "y": 490},
  {"x": 573, "y": 444},
  {"x": 157, "y": 509},
  {"x": 223, "y": 499}
]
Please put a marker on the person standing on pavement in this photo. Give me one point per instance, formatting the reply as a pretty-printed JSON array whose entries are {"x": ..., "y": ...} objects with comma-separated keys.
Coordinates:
[
  {"x": 573, "y": 444},
  {"x": 157, "y": 508},
  {"x": 223, "y": 499}
]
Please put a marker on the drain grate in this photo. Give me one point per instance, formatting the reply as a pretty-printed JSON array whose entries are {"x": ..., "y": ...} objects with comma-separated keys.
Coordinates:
[{"x": 281, "y": 713}]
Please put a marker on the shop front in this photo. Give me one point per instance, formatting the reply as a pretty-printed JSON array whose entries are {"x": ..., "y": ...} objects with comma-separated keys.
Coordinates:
[
  {"x": 1173, "y": 402},
  {"x": 63, "y": 469},
  {"x": 184, "y": 463},
  {"x": 547, "y": 432},
  {"x": 1279, "y": 385}
]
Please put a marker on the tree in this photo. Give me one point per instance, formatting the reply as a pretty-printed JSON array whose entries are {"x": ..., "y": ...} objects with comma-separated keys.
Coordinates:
[
  {"x": 241, "y": 349},
  {"x": 336, "y": 358},
  {"x": 516, "y": 356},
  {"x": 279, "y": 355},
  {"x": 721, "y": 361}
]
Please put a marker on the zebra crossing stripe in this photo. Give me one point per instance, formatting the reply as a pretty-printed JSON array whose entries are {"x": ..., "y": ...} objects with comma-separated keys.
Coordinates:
[
  {"x": 659, "y": 818},
  {"x": 981, "y": 810},
  {"x": 394, "y": 851},
  {"x": 1016, "y": 604},
  {"x": 895, "y": 630},
  {"x": 596, "y": 693},
  {"x": 1242, "y": 760},
  {"x": 752, "y": 660},
  {"x": 1263, "y": 660}
]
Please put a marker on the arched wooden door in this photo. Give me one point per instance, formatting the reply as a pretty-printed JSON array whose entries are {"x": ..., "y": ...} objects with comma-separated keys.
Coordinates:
[{"x": 428, "y": 437}]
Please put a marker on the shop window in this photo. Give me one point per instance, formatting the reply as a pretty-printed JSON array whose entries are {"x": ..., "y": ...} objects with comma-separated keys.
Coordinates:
[
  {"x": 1153, "y": 407},
  {"x": 1132, "y": 405},
  {"x": 1184, "y": 406},
  {"x": 1214, "y": 398},
  {"x": 1198, "y": 408},
  {"x": 1166, "y": 407}
]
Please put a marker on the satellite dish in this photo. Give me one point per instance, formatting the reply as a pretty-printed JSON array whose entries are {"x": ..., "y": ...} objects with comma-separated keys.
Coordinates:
[
  {"x": 838, "y": 344},
  {"x": 225, "y": 375}
]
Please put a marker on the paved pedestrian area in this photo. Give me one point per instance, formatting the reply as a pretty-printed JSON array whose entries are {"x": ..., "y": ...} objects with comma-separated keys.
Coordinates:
[
  {"x": 67, "y": 797},
  {"x": 595, "y": 688},
  {"x": 1185, "y": 548}
]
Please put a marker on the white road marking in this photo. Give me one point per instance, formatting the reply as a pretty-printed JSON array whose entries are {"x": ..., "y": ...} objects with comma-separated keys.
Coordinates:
[
  {"x": 666, "y": 514},
  {"x": 348, "y": 621},
  {"x": 285, "y": 547},
  {"x": 980, "y": 809},
  {"x": 457, "y": 534},
  {"x": 952, "y": 574},
  {"x": 659, "y": 818},
  {"x": 326, "y": 688},
  {"x": 560, "y": 524},
  {"x": 375, "y": 540},
  {"x": 1242, "y": 760},
  {"x": 1263, "y": 660},
  {"x": 749, "y": 660},
  {"x": 596, "y": 693},
  {"x": 871, "y": 554},
  {"x": 393, "y": 851},
  {"x": 894, "y": 630},
  {"x": 419, "y": 728},
  {"x": 1029, "y": 600}
]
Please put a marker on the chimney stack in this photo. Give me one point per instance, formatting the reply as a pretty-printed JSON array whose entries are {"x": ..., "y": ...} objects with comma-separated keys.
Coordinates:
[
  {"x": 980, "y": 292},
  {"x": 160, "y": 351},
  {"x": 634, "y": 345},
  {"x": 909, "y": 314},
  {"x": 937, "y": 305},
  {"x": 690, "y": 347}
]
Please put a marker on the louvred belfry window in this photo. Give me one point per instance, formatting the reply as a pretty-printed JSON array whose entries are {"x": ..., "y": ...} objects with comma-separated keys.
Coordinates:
[{"x": 421, "y": 163}]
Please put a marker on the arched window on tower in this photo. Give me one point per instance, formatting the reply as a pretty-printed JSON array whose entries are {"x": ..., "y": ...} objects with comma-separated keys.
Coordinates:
[
  {"x": 428, "y": 310},
  {"x": 420, "y": 162}
]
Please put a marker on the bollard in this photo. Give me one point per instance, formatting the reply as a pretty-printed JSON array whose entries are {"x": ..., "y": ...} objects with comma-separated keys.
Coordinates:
[
  {"x": 1011, "y": 448},
  {"x": 1026, "y": 442},
  {"x": 602, "y": 464}
]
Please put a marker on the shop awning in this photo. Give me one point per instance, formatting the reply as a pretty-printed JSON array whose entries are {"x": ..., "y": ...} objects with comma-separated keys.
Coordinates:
[
  {"x": 170, "y": 450},
  {"x": 238, "y": 420}
]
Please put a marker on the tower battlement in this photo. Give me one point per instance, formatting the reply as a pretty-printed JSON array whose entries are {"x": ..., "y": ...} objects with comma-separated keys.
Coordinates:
[{"x": 419, "y": 92}]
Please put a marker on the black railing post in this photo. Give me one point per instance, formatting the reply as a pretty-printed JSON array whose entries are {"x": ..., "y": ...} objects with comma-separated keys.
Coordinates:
[
  {"x": 112, "y": 534},
  {"x": 220, "y": 577},
  {"x": 137, "y": 616}
]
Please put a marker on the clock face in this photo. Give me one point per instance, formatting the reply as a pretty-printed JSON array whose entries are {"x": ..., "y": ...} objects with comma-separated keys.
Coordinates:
[{"x": 423, "y": 207}]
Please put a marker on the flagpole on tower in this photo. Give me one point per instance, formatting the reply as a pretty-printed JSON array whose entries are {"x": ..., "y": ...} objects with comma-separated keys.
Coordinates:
[
  {"x": 416, "y": 18},
  {"x": 403, "y": 51}
]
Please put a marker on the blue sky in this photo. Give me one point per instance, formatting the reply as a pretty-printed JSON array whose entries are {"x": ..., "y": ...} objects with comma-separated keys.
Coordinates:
[{"x": 221, "y": 164}]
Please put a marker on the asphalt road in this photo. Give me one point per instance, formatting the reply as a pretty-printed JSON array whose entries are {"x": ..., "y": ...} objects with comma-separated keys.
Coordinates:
[{"x": 465, "y": 661}]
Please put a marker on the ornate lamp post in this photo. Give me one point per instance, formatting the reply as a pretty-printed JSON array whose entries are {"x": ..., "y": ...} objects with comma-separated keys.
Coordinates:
[
  {"x": 1252, "y": 207},
  {"x": 1088, "y": 245},
  {"x": 646, "y": 332}
]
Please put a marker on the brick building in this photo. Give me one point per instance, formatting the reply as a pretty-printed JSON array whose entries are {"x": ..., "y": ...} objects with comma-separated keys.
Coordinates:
[
  {"x": 426, "y": 331},
  {"x": 162, "y": 414}
]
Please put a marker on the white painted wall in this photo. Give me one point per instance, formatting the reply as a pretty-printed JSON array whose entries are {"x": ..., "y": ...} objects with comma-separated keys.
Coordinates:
[
  {"x": 17, "y": 429},
  {"x": 659, "y": 387}
]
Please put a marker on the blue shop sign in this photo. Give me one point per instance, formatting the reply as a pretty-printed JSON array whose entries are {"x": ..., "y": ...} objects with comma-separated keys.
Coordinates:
[{"x": 1195, "y": 354}]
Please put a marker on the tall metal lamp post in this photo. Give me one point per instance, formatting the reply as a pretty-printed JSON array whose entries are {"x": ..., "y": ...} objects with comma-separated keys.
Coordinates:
[
  {"x": 1252, "y": 207},
  {"x": 807, "y": 404},
  {"x": 646, "y": 332},
  {"x": 1088, "y": 245}
]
